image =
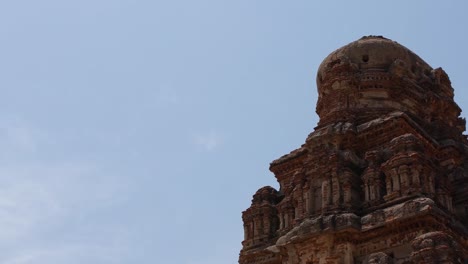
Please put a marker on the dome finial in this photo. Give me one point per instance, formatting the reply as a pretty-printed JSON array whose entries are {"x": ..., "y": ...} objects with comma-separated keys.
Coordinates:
[{"x": 373, "y": 37}]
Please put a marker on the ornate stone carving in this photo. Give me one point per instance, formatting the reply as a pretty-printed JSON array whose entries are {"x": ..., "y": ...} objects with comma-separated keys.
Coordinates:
[{"x": 383, "y": 178}]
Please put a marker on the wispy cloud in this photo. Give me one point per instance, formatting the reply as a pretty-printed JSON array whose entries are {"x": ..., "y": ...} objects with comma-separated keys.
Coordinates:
[
  {"x": 16, "y": 135},
  {"x": 43, "y": 205},
  {"x": 208, "y": 141},
  {"x": 166, "y": 95},
  {"x": 48, "y": 207},
  {"x": 70, "y": 254},
  {"x": 40, "y": 194},
  {"x": 24, "y": 204}
]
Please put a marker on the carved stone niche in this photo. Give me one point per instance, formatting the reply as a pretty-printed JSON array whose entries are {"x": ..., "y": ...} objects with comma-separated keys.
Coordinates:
[
  {"x": 373, "y": 179},
  {"x": 406, "y": 171},
  {"x": 261, "y": 219},
  {"x": 435, "y": 247}
]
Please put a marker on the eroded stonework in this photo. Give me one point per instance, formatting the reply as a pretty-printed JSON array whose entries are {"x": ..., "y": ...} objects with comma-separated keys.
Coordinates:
[{"x": 383, "y": 178}]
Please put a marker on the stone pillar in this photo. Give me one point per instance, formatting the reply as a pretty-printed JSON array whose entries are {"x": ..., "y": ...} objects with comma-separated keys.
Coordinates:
[
  {"x": 367, "y": 191},
  {"x": 404, "y": 177},
  {"x": 256, "y": 228},
  {"x": 326, "y": 194},
  {"x": 336, "y": 190},
  {"x": 415, "y": 172},
  {"x": 281, "y": 219},
  {"x": 395, "y": 180},
  {"x": 388, "y": 180},
  {"x": 246, "y": 232},
  {"x": 267, "y": 224}
]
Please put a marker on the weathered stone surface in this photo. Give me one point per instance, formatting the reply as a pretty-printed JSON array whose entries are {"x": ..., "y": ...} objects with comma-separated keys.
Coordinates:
[
  {"x": 379, "y": 258},
  {"x": 383, "y": 178}
]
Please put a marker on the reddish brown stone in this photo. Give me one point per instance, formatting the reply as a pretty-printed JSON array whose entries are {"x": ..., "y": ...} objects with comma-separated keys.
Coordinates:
[{"x": 383, "y": 178}]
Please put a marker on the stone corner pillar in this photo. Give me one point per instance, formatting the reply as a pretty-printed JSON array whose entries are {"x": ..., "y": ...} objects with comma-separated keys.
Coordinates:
[{"x": 436, "y": 247}]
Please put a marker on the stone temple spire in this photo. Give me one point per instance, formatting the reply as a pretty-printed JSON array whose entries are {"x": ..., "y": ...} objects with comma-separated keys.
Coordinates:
[{"x": 383, "y": 178}]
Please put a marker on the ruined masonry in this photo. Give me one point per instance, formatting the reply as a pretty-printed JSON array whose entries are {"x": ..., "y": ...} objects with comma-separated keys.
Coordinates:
[{"x": 383, "y": 178}]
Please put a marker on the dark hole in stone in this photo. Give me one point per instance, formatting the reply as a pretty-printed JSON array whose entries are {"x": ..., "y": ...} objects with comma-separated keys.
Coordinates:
[{"x": 365, "y": 58}]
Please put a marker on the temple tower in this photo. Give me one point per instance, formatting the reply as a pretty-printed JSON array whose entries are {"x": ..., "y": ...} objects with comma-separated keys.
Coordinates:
[{"x": 383, "y": 178}]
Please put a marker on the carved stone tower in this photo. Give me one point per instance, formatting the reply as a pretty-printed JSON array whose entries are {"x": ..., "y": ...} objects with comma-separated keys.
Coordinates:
[{"x": 383, "y": 178}]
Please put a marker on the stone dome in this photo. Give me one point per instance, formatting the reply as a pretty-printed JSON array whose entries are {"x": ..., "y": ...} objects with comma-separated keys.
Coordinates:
[
  {"x": 374, "y": 76},
  {"x": 266, "y": 194},
  {"x": 371, "y": 52}
]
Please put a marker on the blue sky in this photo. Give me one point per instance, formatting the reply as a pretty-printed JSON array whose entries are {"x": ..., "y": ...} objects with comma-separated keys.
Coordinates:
[{"x": 137, "y": 131}]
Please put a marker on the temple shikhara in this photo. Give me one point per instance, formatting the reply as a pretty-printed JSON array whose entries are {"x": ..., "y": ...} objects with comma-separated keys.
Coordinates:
[{"x": 383, "y": 178}]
